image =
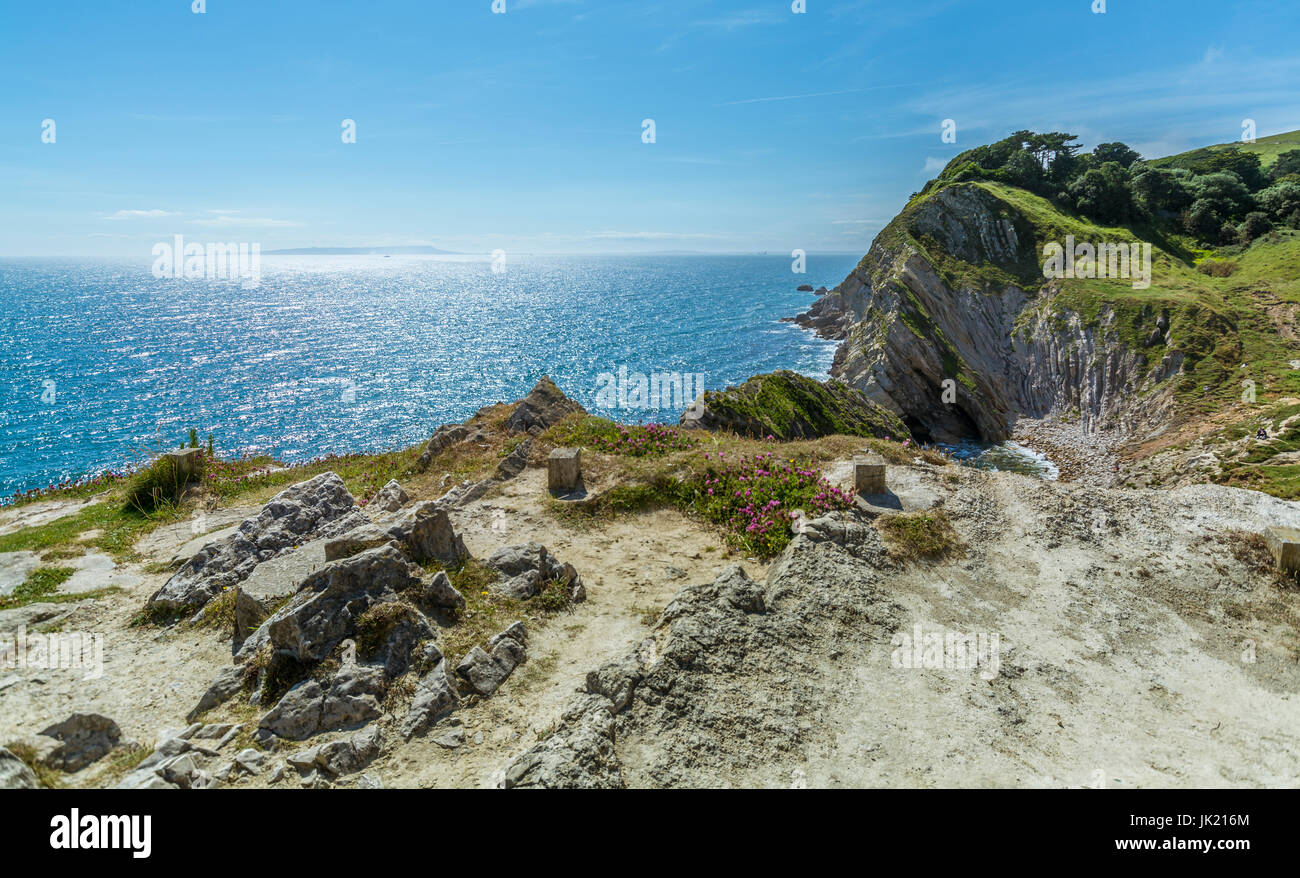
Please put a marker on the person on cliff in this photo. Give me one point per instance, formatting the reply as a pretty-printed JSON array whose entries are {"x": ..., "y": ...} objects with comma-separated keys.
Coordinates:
[{"x": 1261, "y": 435}]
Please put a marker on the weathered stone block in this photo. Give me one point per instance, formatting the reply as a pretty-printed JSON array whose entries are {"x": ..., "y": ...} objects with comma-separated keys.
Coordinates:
[
  {"x": 1284, "y": 543},
  {"x": 869, "y": 474},
  {"x": 188, "y": 463},
  {"x": 563, "y": 469}
]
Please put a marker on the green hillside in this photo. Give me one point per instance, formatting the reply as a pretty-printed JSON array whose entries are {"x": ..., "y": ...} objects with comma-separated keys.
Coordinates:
[{"x": 1267, "y": 148}]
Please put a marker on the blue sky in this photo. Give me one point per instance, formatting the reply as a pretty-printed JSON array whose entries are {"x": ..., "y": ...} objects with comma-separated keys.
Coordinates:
[{"x": 522, "y": 131}]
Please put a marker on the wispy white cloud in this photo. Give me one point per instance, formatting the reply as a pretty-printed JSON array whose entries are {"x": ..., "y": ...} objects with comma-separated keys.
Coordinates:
[
  {"x": 138, "y": 214},
  {"x": 743, "y": 18},
  {"x": 229, "y": 219}
]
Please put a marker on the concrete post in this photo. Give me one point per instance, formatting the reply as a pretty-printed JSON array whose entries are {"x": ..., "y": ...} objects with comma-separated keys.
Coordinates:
[
  {"x": 563, "y": 469},
  {"x": 1284, "y": 543},
  {"x": 187, "y": 463},
  {"x": 869, "y": 474}
]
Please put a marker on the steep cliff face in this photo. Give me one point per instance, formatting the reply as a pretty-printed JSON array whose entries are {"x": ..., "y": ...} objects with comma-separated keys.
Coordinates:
[{"x": 948, "y": 322}]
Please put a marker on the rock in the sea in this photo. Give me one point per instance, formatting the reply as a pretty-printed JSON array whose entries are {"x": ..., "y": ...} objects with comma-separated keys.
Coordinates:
[
  {"x": 437, "y": 696},
  {"x": 527, "y": 568},
  {"x": 350, "y": 697},
  {"x": 543, "y": 407},
  {"x": 83, "y": 738},
  {"x": 389, "y": 498},
  {"x": 14, "y": 773},
  {"x": 316, "y": 508},
  {"x": 804, "y": 288}
]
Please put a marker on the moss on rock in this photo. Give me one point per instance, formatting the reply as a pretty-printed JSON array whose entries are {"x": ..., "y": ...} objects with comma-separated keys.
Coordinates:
[{"x": 787, "y": 405}]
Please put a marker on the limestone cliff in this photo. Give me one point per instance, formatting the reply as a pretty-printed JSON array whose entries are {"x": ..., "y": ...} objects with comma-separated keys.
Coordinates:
[{"x": 951, "y": 296}]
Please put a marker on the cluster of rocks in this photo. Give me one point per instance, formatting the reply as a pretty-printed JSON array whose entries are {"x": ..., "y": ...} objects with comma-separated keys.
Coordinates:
[
  {"x": 204, "y": 756},
  {"x": 529, "y": 568},
  {"x": 329, "y": 610},
  {"x": 442, "y": 690},
  {"x": 191, "y": 758},
  {"x": 315, "y": 509},
  {"x": 352, "y": 629}
]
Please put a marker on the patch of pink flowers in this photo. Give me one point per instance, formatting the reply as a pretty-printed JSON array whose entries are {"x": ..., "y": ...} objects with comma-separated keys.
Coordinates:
[
  {"x": 644, "y": 440},
  {"x": 757, "y": 498}
]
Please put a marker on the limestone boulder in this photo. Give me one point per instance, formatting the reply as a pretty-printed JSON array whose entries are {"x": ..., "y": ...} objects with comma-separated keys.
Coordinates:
[
  {"x": 526, "y": 569},
  {"x": 83, "y": 738},
  {"x": 426, "y": 534},
  {"x": 389, "y": 498},
  {"x": 437, "y": 696},
  {"x": 328, "y": 604},
  {"x": 319, "y": 507},
  {"x": 350, "y": 697}
]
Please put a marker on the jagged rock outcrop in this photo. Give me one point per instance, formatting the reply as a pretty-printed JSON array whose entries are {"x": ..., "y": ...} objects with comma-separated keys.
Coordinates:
[
  {"x": 543, "y": 407},
  {"x": 948, "y": 322},
  {"x": 526, "y": 569},
  {"x": 445, "y": 437},
  {"x": 340, "y": 757},
  {"x": 483, "y": 671},
  {"x": 362, "y": 601},
  {"x": 390, "y": 498},
  {"x": 314, "y": 509},
  {"x": 707, "y": 700},
  {"x": 423, "y": 533},
  {"x": 788, "y": 405},
  {"x": 327, "y": 605},
  {"x": 189, "y": 759},
  {"x": 350, "y": 697},
  {"x": 436, "y": 697}
]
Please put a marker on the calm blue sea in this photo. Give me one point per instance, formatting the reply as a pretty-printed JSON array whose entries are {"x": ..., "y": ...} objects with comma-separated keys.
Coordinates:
[{"x": 101, "y": 362}]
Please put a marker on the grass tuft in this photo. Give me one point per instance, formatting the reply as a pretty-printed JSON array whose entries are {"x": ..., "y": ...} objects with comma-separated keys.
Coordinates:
[{"x": 913, "y": 536}]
